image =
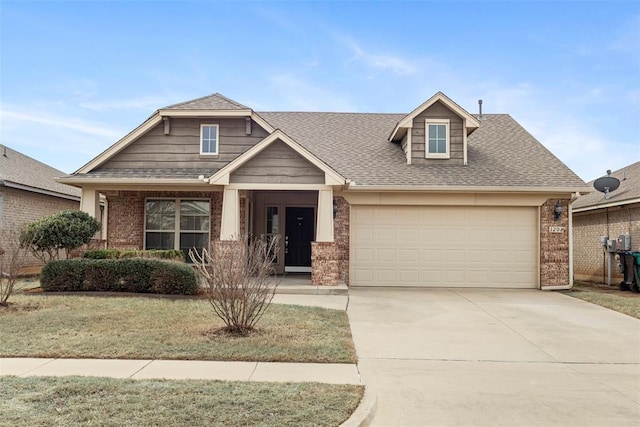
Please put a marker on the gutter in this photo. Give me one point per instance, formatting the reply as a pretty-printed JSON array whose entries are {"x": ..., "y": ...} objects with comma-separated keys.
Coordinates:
[
  {"x": 608, "y": 205},
  {"x": 457, "y": 188},
  {"x": 10, "y": 184}
]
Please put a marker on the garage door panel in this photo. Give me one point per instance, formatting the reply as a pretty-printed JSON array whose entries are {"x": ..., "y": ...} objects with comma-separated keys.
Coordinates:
[{"x": 444, "y": 246}]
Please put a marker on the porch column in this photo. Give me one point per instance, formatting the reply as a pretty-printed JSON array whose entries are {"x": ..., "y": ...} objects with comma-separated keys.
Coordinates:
[
  {"x": 324, "y": 230},
  {"x": 90, "y": 202},
  {"x": 230, "y": 223}
]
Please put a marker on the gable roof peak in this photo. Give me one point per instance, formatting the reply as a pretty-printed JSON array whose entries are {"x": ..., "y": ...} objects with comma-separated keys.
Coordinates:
[
  {"x": 471, "y": 121},
  {"x": 215, "y": 101}
]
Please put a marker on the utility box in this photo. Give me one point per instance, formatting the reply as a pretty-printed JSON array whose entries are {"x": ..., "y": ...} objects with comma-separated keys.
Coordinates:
[
  {"x": 624, "y": 242},
  {"x": 611, "y": 245}
]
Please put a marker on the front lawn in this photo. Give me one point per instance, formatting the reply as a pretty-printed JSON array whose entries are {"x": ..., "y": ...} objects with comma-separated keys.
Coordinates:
[
  {"x": 62, "y": 401},
  {"x": 626, "y": 302},
  {"x": 153, "y": 328}
]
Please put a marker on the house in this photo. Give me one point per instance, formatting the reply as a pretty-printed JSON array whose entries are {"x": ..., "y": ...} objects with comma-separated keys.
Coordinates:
[
  {"x": 28, "y": 191},
  {"x": 597, "y": 215},
  {"x": 436, "y": 197}
]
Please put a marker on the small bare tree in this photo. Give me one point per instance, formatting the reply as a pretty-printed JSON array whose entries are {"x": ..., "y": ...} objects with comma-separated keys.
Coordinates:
[
  {"x": 238, "y": 279},
  {"x": 12, "y": 259}
]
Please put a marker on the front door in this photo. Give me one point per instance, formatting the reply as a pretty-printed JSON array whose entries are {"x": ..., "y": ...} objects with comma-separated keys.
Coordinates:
[{"x": 297, "y": 241}]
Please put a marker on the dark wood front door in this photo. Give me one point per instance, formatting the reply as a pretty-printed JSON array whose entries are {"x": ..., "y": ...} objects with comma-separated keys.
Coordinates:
[{"x": 298, "y": 236}]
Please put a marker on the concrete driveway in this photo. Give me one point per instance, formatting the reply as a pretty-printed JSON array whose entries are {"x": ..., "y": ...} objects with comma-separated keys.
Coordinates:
[{"x": 495, "y": 357}]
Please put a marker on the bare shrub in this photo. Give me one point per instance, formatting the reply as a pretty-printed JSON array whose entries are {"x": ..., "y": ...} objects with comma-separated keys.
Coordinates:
[
  {"x": 238, "y": 280},
  {"x": 12, "y": 259}
]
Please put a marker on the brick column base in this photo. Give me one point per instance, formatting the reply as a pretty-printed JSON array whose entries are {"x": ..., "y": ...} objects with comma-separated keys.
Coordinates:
[
  {"x": 324, "y": 263},
  {"x": 554, "y": 245}
]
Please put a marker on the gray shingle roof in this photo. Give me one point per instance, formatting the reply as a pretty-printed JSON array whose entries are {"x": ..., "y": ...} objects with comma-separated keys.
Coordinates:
[
  {"x": 16, "y": 168},
  {"x": 500, "y": 152},
  {"x": 209, "y": 102},
  {"x": 629, "y": 189}
]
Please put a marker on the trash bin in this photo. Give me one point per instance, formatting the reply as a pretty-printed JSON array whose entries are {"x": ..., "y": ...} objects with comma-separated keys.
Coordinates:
[
  {"x": 627, "y": 268},
  {"x": 636, "y": 269}
]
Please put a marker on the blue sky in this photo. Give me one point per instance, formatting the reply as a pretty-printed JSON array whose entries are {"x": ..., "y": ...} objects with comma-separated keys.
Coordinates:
[{"x": 77, "y": 76}]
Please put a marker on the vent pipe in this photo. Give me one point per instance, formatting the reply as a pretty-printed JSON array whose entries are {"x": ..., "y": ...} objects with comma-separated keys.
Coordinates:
[{"x": 480, "y": 109}]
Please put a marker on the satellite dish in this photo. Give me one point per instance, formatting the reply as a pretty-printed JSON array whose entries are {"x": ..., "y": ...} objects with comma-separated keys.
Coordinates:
[{"x": 606, "y": 184}]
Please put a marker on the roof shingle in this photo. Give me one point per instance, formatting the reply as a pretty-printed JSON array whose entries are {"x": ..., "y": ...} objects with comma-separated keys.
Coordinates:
[
  {"x": 17, "y": 168},
  {"x": 209, "y": 102}
]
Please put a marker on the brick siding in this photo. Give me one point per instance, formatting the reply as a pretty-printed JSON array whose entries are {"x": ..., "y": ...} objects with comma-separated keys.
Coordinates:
[
  {"x": 341, "y": 237},
  {"x": 554, "y": 247},
  {"x": 324, "y": 263},
  {"x": 589, "y": 259},
  {"x": 20, "y": 208}
]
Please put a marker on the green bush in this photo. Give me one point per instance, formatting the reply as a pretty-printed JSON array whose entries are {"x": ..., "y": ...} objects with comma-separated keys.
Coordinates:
[
  {"x": 119, "y": 275},
  {"x": 64, "y": 230},
  {"x": 102, "y": 254},
  {"x": 123, "y": 253}
]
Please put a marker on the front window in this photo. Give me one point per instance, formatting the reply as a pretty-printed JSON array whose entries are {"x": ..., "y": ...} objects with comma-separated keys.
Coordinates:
[
  {"x": 208, "y": 139},
  {"x": 437, "y": 140},
  {"x": 177, "y": 224}
]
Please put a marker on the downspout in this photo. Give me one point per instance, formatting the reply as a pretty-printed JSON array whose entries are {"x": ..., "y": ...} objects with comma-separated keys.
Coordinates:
[{"x": 574, "y": 197}]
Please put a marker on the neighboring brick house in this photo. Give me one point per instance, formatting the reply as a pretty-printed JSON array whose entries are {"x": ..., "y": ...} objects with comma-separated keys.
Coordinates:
[
  {"x": 595, "y": 216},
  {"x": 436, "y": 197},
  {"x": 28, "y": 191}
]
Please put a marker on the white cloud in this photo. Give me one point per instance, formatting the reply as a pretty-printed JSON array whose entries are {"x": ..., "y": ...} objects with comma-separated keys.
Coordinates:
[
  {"x": 147, "y": 103},
  {"x": 13, "y": 118},
  {"x": 378, "y": 61}
]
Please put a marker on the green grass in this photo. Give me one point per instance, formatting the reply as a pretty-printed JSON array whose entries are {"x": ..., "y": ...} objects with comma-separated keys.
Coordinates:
[
  {"x": 66, "y": 401},
  {"x": 625, "y": 303},
  {"x": 153, "y": 328}
]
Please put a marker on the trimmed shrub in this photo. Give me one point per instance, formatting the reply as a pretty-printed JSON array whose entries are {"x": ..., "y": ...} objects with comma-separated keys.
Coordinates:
[
  {"x": 119, "y": 275},
  {"x": 102, "y": 254},
  {"x": 65, "y": 230},
  {"x": 171, "y": 254}
]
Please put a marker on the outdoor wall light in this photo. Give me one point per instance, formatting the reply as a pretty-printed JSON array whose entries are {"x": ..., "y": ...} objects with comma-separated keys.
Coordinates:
[
  {"x": 335, "y": 209},
  {"x": 557, "y": 211}
]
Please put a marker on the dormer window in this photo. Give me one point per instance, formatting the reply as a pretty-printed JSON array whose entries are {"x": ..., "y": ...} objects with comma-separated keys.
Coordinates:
[
  {"x": 437, "y": 138},
  {"x": 208, "y": 139}
]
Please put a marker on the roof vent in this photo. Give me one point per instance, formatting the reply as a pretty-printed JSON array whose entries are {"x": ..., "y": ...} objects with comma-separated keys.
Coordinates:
[
  {"x": 4, "y": 151},
  {"x": 480, "y": 109}
]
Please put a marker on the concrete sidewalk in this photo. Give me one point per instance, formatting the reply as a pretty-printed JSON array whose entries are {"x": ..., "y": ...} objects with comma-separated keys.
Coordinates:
[{"x": 329, "y": 373}]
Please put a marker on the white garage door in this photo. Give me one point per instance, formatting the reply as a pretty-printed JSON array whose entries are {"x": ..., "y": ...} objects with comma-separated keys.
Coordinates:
[{"x": 444, "y": 246}]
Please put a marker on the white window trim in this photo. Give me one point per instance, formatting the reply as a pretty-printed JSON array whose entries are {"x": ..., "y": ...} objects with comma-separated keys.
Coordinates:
[
  {"x": 202, "y": 126},
  {"x": 447, "y": 153},
  {"x": 176, "y": 225}
]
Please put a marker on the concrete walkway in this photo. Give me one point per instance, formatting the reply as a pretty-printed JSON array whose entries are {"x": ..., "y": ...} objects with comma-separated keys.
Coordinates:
[
  {"x": 331, "y": 373},
  {"x": 495, "y": 358}
]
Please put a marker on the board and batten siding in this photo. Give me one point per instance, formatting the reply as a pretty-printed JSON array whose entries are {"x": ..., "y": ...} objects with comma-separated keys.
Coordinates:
[
  {"x": 278, "y": 164},
  {"x": 181, "y": 148},
  {"x": 456, "y": 148}
]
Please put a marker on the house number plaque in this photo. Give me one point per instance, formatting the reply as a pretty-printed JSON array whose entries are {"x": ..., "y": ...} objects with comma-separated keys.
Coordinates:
[{"x": 556, "y": 229}]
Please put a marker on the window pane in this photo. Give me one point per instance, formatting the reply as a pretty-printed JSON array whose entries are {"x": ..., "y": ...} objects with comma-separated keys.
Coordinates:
[
  {"x": 272, "y": 220},
  {"x": 433, "y": 146},
  {"x": 194, "y": 207},
  {"x": 209, "y": 139},
  {"x": 196, "y": 241},
  {"x": 432, "y": 131},
  {"x": 160, "y": 215},
  {"x": 159, "y": 240}
]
